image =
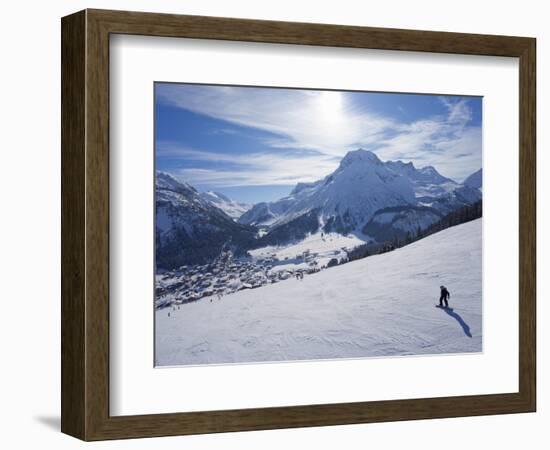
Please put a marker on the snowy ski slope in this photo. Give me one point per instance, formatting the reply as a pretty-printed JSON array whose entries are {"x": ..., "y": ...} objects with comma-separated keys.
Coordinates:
[{"x": 383, "y": 305}]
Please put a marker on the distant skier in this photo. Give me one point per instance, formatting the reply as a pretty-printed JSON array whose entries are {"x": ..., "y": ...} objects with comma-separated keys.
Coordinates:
[{"x": 445, "y": 295}]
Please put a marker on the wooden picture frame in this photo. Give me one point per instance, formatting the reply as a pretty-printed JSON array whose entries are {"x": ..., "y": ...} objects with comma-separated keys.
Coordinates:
[{"x": 85, "y": 224}]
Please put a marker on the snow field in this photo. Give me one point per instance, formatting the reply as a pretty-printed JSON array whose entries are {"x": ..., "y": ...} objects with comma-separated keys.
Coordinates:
[{"x": 383, "y": 305}]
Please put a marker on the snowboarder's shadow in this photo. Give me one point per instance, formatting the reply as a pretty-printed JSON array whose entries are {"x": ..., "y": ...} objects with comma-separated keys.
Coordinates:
[{"x": 460, "y": 320}]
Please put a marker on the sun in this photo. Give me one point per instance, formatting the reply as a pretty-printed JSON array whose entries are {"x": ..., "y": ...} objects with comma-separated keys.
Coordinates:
[{"x": 330, "y": 105}]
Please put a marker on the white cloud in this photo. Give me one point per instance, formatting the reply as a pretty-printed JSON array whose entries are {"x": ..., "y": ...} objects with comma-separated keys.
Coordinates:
[
  {"x": 325, "y": 121},
  {"x": 447, "y": 143},
  {"x": 254, "y": 169},
  {"x": 459, "y": 112},
  {"x": 328, "y": 122}
]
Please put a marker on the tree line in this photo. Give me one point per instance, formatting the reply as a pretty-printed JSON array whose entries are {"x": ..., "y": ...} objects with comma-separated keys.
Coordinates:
[{"x": 459, "y": 216}]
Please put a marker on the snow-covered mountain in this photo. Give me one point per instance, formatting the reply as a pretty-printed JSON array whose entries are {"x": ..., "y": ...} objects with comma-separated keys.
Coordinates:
[
  {"x": 427, "y": 181},
  {"x": 377, "y": 306},
  {"x": 378, "y": 200},
  {"x": 364, "y": 190},
  {"x": 166, "y": 182},
  {"x": 475, "y": 180},
  {"x": 190, "y": 229},
  {"x": 232, "y": 208},
  {"x": 344, "y": 200}
]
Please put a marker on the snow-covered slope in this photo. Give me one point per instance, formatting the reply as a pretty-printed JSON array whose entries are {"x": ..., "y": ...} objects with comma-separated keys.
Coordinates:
[
  {"x": 382, "y": 305},
  {"x": 321, "y": 246},
  {"x": 266, "y": 213},
  {"x": 231, "y": 207},
  {"x": 427, "y": 181},
  {"x": 166, "y": 182}
]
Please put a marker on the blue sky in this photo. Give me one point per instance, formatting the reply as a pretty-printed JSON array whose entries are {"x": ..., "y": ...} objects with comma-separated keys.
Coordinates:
[{"x": 255, "y": 144}]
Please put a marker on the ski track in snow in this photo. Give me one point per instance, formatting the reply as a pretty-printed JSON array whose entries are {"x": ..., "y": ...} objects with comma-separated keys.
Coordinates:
[{"x": 383, "y": 305}]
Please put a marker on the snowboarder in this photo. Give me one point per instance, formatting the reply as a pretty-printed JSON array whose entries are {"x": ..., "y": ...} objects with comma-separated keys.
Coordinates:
[{"x": 445, "y": 295}]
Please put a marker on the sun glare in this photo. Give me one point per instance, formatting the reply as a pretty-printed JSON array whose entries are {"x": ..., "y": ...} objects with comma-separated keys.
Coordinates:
[{"x": 330, "y": 105}]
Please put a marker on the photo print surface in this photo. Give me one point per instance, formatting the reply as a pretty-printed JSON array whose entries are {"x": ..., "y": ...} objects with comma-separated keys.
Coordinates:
[{"x": 301, "y": 224}]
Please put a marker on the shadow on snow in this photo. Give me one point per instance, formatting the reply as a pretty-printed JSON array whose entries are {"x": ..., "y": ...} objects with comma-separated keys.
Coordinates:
[{"x": 459, "y": 319}]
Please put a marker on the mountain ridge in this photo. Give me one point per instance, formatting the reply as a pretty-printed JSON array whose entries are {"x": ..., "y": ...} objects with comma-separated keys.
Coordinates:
[
  {"x": 190, "y": 229},
  {"x": 231, "y": 207},
  {"x": 475, "y": 180},
  {"x": 363, "y": 184},
  {"x": 381, "y": 200}
]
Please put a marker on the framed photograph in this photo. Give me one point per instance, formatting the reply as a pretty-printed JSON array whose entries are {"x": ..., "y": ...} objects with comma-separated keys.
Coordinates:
[{"x": 272, "y": 225}]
